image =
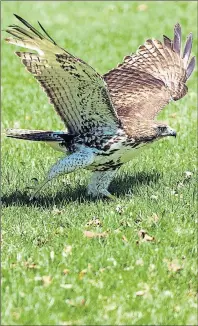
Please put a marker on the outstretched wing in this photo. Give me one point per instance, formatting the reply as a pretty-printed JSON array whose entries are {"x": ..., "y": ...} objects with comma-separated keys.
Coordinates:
[
  {"x": 148, "y": 80},
  {"x": 76, "y": 90}
]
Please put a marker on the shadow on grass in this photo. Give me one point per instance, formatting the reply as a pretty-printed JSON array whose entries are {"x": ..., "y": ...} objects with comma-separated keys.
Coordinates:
[{"x": 121, "y": 185}]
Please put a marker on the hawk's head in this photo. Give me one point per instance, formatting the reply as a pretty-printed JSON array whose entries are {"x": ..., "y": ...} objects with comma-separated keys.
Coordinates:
[
  {"x": 163, "y": 130},
  {"x": 148, "y": 131}
]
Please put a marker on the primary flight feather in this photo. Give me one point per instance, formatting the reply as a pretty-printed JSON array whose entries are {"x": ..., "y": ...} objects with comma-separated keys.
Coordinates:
[{"x": 107, "y": 118}]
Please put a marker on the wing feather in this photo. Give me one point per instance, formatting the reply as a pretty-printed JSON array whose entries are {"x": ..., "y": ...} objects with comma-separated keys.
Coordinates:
[
  {"x": 149, "y": 79},
  {"x": 190, "y": 68},
  {"x": 78, "y": 93}
]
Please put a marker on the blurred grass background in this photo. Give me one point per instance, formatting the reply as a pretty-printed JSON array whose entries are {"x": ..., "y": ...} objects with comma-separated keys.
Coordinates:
[{"x": 51, "y": 273}]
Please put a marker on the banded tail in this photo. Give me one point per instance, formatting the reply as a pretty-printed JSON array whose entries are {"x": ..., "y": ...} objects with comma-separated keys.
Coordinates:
[
  {"x": 38, "y": 135},
  {"x": 59, "y": 140}
]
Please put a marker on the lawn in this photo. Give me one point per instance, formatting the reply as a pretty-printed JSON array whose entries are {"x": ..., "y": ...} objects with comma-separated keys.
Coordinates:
[{"x": 69, "y": 260}]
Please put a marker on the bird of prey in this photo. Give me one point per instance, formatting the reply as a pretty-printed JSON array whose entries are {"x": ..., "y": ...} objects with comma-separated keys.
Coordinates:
[{"x": 107, "y": 118}]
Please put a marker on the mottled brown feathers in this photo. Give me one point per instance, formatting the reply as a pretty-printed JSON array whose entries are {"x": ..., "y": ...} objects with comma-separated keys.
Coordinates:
[
  {"x": 134, "y": 92},
  {"x": 146, "y": 81},
  {"x": 76, "y": 90}
]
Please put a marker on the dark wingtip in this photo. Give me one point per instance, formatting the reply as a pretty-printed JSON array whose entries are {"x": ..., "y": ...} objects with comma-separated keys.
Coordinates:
[
  {"x": 18, "y": 17},
  {"x": 43, "y": 29},
  {"x": 23, "y": 21}
]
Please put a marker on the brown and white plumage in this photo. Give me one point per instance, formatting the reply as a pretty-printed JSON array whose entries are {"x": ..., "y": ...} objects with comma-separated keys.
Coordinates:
[
  {"x": 107, "y": 117},
  {"x": 74, "y": 88},
  {"x": 149, "y": 79}
]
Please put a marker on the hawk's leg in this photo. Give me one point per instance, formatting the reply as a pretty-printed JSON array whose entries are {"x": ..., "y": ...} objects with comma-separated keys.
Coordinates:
[
  {"x": 78, "y": 160},
  {"x": 100, "y": 182}
]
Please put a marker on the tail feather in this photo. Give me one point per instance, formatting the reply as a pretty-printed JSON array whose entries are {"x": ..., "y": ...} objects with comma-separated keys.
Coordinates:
[{"x": 39, "y": 135}]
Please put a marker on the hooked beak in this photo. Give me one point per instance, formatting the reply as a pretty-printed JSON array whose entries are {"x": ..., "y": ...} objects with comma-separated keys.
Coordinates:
[
  {"x": 173, "y": 133},
  {"x": 169, "y": 132}
]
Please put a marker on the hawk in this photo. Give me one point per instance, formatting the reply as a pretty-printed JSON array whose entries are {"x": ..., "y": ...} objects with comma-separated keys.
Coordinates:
[{"x": 107, "y": 118}]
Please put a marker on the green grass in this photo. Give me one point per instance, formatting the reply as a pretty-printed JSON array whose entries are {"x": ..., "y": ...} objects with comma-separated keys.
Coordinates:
[{"x": 42, "y": 239}]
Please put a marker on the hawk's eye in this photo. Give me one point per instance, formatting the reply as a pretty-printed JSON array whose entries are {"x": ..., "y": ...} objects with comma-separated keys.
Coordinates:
[{"x": 162, "y": 129}]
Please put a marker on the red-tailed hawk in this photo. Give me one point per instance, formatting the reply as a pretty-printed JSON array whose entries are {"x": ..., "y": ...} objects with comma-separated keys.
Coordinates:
[{"x": 107, "y": 118}]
